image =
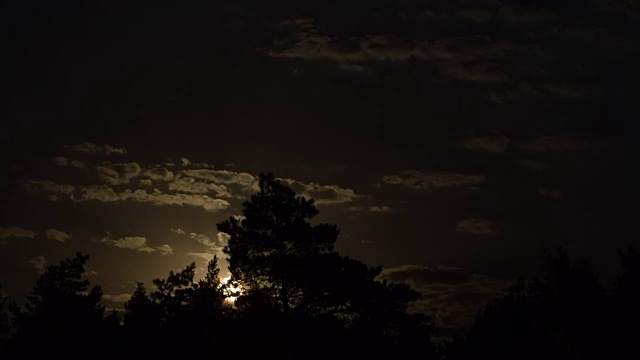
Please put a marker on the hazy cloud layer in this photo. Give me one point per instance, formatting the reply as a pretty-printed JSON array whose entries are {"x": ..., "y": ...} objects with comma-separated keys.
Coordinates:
[
  {"x": 452, "y": 296},
  {"x": 422, "y": 181},
  {"x": 16, "y": 232},
  {"x": 226, "y": 177}
]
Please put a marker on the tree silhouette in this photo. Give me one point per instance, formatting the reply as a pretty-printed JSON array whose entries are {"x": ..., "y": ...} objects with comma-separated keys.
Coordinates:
[
  {"x": 624, "y": 319},
  {"x": 5, "y": 321},
  {"x": 63, "y": 315},
  {"x": 293, "y": 279},
  {"x": 559, "y": 315}
]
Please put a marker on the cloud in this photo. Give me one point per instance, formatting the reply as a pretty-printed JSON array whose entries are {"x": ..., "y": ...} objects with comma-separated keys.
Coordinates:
[
  {"x": 521, "y": 15},
  {"x": 165, "y": 249},
  {"x": 475, "y": 15},
  {"x": 91, "y": 148},
  {"x": 159, "y": 198},
  {"x": 553, "y": 193},
  {"x": 201, "y": 255},
  {"x": 105, "y": 193},
  {"x": 566, "y": 90},
  {"x": 178, "y": 231},
  {"x": 127, "y": 242},
  {"x": 322, "y": 194},
  {"x": 118, "y": 173},
  {"x": 117, "y": 298},
  {"x": 494, "y": 144},
  {"x": 555, "y": 144},
  {"x": 39, "y": 263},
  {"x": 193, "y": 186},
  {"x": 146, "y": 182},
  {"x": 216, "y": 244},
  {"x": 451, "y": 296},
  {"x": 420, "y": 181},
  {"x": 16, "y": 232},
  {"x": 63, "y": 161},
  {"x": 57, "y": 235},
  {"x": 379, "y": 208},
  {"x": 55, "y": 190},
  {"x": 97, "y": 192},
  {"x": 159, "y": 174},
  {"x": 477, "y": 226},
  {"x": 243, "y": 179}
]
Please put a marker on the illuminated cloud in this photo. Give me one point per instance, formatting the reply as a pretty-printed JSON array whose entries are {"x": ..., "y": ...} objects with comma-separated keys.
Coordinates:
[
  {"x": 159, "y": 198},
  {"x": 420, "y": 181},
  {"x": 477, "y": 226},
  {"x": 91, "y": 148},
  {"x": 39, "y": 264},
  {"x": 165, "y": 249},
  {"x": 494, "y": 144},
  {"x": 16, "y": 232},
  {"x": 177, "y": 231},
  {"x": 97, "y": 192},
  {"x": 63, "y": 161},
  {"x": 57, "y": 235},
  {"x": 322, "y": 194},
  {"x": 117, "y": 298},
  {"x": 193, "y": 186},
  {"x": 55, "y": 191},
  {"x": 159, "y": 174},
  {"x": 127, "y": 242},
  {"x": 201, "y": 255},
  {"x": 379, "y": 208},
  {"x": 226, "y": 177},
  {"x": 118, "y": 173},
  {"x": 555, "y": 144}
]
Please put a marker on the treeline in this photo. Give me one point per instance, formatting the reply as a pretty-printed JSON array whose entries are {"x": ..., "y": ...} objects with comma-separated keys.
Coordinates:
[{"x": 297, "y": 298}]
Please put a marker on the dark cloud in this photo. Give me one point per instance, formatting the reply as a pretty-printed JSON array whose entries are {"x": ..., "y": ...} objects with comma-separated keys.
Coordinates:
[
  {"x": 422, "y": 181},
  {"x": 92, "y": 148},
  {"x": 556, "y": 144},
  {"x": 39, "y": 264},
  {"x": 494, "y": 144},
  {"x": 477, "y": 226},
  {"x": 322, "y": 194}
]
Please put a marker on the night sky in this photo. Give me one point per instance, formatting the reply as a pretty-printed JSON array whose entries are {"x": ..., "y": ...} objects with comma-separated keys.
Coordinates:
[{"x": 450, "y": 141}]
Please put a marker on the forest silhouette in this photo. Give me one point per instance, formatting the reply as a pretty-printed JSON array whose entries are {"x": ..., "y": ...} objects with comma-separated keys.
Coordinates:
[{"x": 301, "y": 299}]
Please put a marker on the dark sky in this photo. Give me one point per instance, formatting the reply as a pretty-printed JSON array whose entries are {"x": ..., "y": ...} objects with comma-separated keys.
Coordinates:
[{"x": 451, "y": 141}]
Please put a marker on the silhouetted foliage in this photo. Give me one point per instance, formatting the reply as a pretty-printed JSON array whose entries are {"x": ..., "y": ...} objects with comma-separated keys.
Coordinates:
[
  {"x": 5, "y": 321},
  {"x": 559, "y": 315},
  {"x": 291, "y": 275},
  {"x": 62, "y": 315}
]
